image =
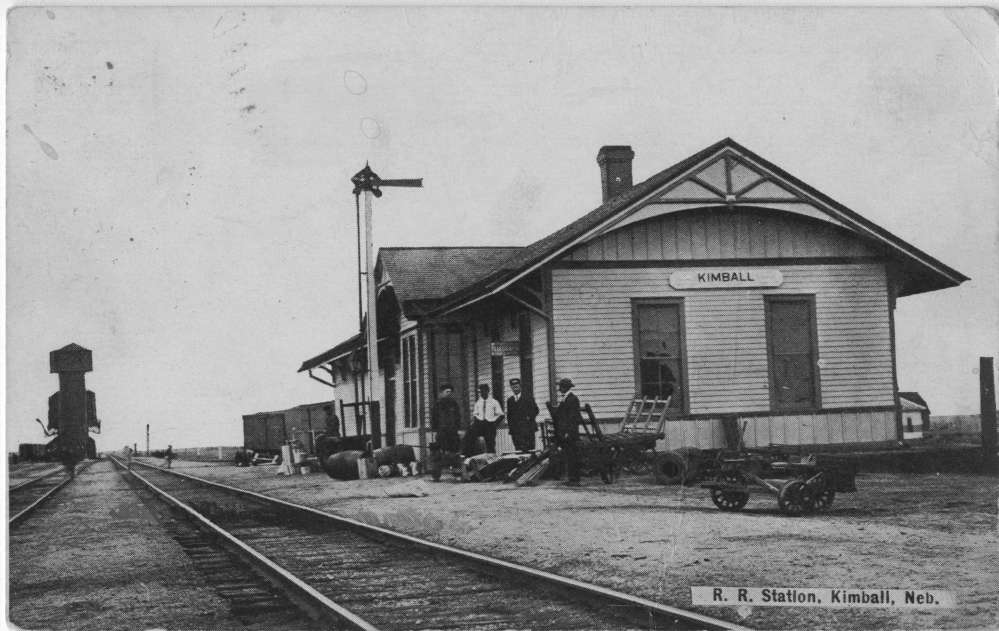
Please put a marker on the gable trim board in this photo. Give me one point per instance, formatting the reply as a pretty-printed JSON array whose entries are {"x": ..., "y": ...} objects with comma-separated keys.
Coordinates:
[
  {"x": 615, "y": 210},
  {"x": 565, "y": 264}
]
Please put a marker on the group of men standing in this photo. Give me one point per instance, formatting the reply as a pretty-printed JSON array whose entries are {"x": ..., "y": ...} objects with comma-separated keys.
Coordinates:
[{"x": 521, "y": 414}]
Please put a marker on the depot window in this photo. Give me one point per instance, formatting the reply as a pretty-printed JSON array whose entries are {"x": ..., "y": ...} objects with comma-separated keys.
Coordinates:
[
  {"x": 792, "y": 353},
  {"x": 660, "y": 365}
]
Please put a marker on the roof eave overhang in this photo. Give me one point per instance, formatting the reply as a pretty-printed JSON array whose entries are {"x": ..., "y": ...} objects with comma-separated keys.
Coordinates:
[{"x": 335, "y": 353}]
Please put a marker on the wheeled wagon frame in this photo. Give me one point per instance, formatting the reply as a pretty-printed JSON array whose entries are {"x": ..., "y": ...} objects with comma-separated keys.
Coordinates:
[
  {"x": 631, "y": 449},
  {"x": 800, "y": 487}
]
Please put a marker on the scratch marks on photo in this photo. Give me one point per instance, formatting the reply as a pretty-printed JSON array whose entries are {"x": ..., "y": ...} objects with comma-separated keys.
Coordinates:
[
  {"x": 234, "y": 60},
  {"x": 370, "y": 128},
  {"x": 355, "y": 82},
  {"x": 46, "y": 147}
]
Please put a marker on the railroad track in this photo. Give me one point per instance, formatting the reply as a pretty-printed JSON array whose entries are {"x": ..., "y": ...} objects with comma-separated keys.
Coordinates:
[
  {"x": 356, "y": 576},
  {"x": 25, "y": 497}
]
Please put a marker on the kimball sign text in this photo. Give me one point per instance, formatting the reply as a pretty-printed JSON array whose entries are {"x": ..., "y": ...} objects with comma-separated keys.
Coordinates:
[{"x": 725, "y": 278}]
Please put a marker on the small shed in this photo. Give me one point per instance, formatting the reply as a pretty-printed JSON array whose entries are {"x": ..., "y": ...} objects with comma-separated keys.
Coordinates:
[{"x": 915, "y": 415}]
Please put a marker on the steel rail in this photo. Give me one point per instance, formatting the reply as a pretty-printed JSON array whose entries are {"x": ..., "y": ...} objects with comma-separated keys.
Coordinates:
[
  {"x": 579, "y": 588},
  {"x": 21, "y": 485},
  {"x": 298, "y": 590},
  {"x": 18, "y": 518}
]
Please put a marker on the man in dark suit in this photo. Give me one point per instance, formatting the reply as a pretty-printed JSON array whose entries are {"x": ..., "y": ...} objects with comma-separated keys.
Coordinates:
[
  {"x": 521, "y": 412},
  {"x": 567, "y": 421},
  {"x": 445, "y": 421}
]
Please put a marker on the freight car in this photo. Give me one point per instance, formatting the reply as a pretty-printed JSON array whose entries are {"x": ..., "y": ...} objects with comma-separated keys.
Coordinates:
[
  {"x": 28, "y": 452},
  {"x": 266, "y": 432}
]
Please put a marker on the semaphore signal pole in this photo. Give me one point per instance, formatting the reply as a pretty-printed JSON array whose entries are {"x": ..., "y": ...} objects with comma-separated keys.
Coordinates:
[{"x": 368, "y": 181}]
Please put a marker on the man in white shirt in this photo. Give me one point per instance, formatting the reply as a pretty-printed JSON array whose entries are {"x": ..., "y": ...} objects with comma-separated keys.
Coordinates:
[{"x": 486, "y": 415}]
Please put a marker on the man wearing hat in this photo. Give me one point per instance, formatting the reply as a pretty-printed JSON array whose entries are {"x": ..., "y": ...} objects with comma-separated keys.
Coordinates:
[
  {"x": 521, "y": 410},
  {"x": 446, "y": 420},
  {"x": 567, "y": 421}
]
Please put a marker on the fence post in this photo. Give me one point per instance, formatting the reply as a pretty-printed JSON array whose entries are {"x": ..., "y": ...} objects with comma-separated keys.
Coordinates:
[{"x": 986, "y": 375}]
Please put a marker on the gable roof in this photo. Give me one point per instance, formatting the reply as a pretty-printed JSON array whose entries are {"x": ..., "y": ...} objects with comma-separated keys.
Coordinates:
[
  {"x": 423, "y": 276},
  {"x": 345, "y": 347},
  {"x": 927, "y": 272},
  {"x": 420, "y": 278},
  {"x": 915, "y": 398},
  {"x": 438, "y": 280}
]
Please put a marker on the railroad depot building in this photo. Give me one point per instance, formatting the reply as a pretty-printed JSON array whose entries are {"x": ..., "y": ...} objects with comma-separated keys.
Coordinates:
[{"x": 761, "y": 299}]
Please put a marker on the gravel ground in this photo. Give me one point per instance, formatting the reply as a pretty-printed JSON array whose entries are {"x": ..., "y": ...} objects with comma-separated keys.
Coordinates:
[
  {"x": 97, "y": 560},
  {"x": 897, "y": 531}
]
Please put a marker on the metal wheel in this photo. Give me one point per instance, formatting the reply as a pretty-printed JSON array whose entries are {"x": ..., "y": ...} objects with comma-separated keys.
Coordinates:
[
  {"x": 728, "y": 500},
  {"x": 824, "y": 499},
  {"x": 795, "y": 498}
]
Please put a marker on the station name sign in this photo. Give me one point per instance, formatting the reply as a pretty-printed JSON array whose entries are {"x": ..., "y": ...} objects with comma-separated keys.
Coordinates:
[
  {"x": 503, "y": 349},
  {"x": 725, "y": 278}
]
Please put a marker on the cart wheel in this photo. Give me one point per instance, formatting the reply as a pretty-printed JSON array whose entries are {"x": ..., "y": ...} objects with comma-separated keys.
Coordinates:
[
  {"x": 795, "y": 499},
  {"x": 824, "y": 499},
  {"x": 729, "y": 500}
]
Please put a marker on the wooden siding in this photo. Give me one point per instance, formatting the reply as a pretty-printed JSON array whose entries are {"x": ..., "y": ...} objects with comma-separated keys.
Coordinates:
[
  {"x": 539, "y": 336},
  {"x": 426, "y": 379},
  {"x": 722, "y": 234},
  {"x": 820, "y": 429},
  {"x": 725, "y": 336}
]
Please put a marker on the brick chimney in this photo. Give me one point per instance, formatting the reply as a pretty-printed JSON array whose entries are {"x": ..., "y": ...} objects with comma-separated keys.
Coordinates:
[{"x": 615, "y": 169}]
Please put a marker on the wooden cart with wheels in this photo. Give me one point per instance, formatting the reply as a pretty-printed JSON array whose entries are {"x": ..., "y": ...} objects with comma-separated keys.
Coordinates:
[
  {"x": 801, "y": 486},
  {"x": 631, "y": 449},
  {"x": 633, "y": 446}
]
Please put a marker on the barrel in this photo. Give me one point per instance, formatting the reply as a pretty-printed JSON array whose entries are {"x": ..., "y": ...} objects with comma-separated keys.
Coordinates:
[
  {"x": 678, "y": 467},
  {"x": 384, "y": 456},
  {"x": 343, "y": 465},
  {"x": 396, "y": 454},
  {"x": 403, "y": 454}
]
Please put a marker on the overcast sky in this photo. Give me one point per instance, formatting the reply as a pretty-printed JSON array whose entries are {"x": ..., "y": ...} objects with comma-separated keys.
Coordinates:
[{"x": 179, "y": 196}]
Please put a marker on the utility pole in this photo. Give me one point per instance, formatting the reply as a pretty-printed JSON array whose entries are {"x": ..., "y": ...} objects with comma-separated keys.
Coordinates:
[
  {"x": 147, "y": 439},
  {"x": 987, "y": 385},
  {"x": 368, "y": 181}
]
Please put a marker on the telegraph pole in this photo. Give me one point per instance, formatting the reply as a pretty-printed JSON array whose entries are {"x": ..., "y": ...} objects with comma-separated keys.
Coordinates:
[
  {"x": 368, "y": 182},
  {"x": 987, "y": 391}
]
